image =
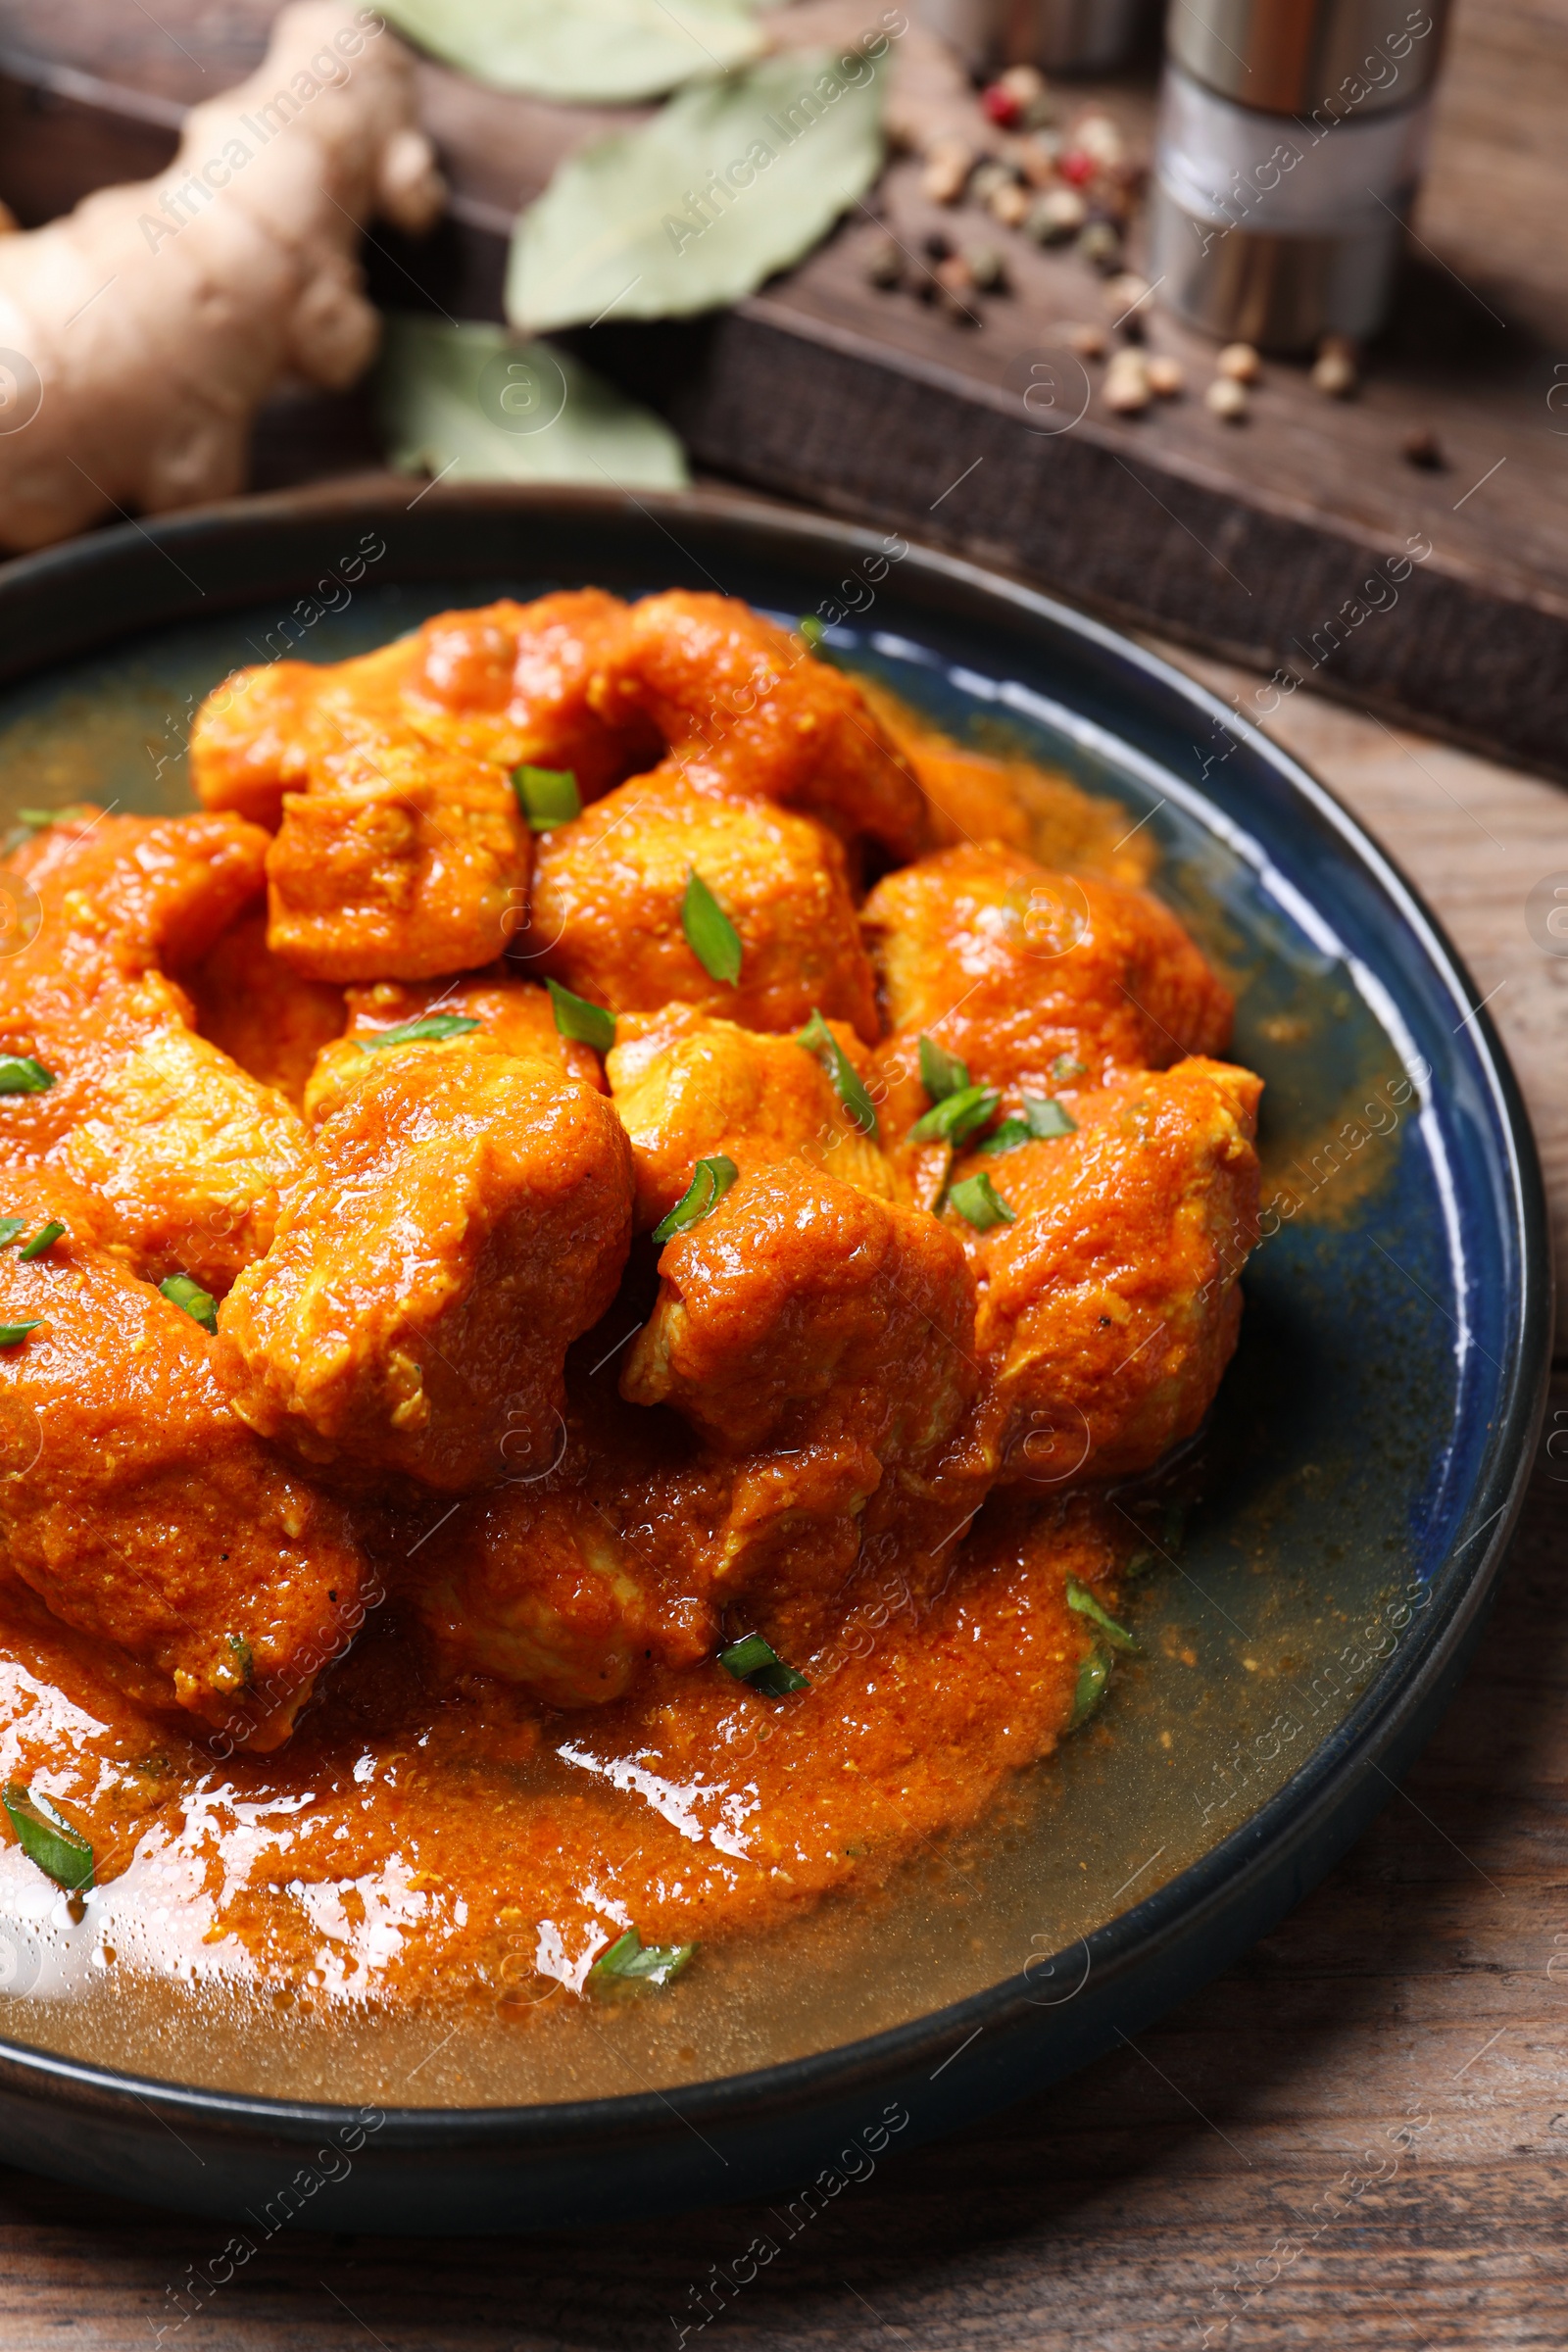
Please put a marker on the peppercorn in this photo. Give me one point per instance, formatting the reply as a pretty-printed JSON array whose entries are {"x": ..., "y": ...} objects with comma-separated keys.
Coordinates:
[
  {"x": 1226, "y": 398},
  {"x": 1423, "y": 448},
  {"x": 1241, "y": 362},
  {"x": 988, "y": 269},
  {"x": 1127, "y": 386},
  {"x": 1058, "y": 216},
  {"x": 1334, "y": 370},
  {"x": 1101, "y": 247},
  {"x": 884, "y": 266}
]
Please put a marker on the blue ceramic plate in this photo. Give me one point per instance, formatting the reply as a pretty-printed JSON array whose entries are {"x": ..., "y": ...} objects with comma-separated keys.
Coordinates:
[{"x": 1315, "y": 1609}]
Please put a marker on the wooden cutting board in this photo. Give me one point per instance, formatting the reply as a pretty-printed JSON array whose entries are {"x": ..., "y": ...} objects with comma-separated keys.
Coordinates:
[{"x": 1253, "y": 542}]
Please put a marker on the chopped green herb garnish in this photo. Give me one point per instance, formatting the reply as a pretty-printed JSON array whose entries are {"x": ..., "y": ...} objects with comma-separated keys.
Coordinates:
[
  {"x": 21, "y": 1074},
  {"x": 707, "y": 1188},
  {"x": 956, "y": 1116},
  {"x": 755, "y": 1661},
  {"x": 547, "y": 796},
  {"x": 811, "y": 629},
  {"x": 1139, "y": 1564},
  {"x": 709, "y": 934},
  {"x": 1080, "y": 1598},
  {"x": 244, "y": 1656},
  {"x": 30, "y": 821},
  {"x": 1064, "y": 1069},
  {"x": 1093, "y": 1675},
  {"x": 12, "y": 1334},
  {"x": 10, "y": 1227},
  {"x": 589, "y": 1024},
  {"x": 43, "y": 1238},
  {"x": 1008, "y": 1136},
  {"x": 819, "y": 1039},
  {"x": 630, "y": 1961},
  {"x": 433, "y": 1026},
  {"x": 38, "y": 820},
  {"x": 181, "y": 1291},
  {"x": 48, "y": 1839},
  {"x": 979, "y": 1203},
  {"x": 940, "y": 1073},
  {"x": 1047, "y": 1117}
]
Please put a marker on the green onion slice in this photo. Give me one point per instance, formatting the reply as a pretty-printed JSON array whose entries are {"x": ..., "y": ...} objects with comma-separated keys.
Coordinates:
[
  {"x": 1008, "y": 1136},
  {"x": 709, "y": 934},
  {"x": 21, "y": 1074},
  {"x": 1065, "y": 1068},
  {"x": 811, "y": 629},
  {"x": 979, "y": 1203},
  {"x": 181, "y": 1289},
  {"x": 576, "y": 1017},
  {"x": 1139, "y": 1564},
  {"x": 940, "y": 1073},
  {"x": 753, "y": 1660},
  {"x": 1080, "y": 1598},
  {"x": 1047, "y": 1117},
  {"x": 10, "y": 1227},
  {"x": 630, "y": 1961},
  {"x": 547, "y": 796},
  {"x": 12, "y": 1334},
  {"x": 43, "y": 1238},
  {"x": 48, "y": 1839},
  {"x": 956, "y": 1116},
  {"x": 819, "y": 1039},
  {"x": 1093, "y": 1675},
  {"x": 707, "y": 1188},
  {"x": 433, "y": 1025}
]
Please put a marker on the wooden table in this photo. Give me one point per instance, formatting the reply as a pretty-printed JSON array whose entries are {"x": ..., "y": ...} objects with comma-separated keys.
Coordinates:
[
  {"x": 1231, "y": 2180},
  {"x": 1232, "y": 2172}
]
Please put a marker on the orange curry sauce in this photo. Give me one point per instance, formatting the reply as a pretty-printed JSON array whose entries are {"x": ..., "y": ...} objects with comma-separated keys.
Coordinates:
[{"x": 373, "y": 1609}]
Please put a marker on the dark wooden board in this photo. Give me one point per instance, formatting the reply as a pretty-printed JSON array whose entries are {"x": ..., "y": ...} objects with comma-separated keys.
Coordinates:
[{"x": 1250, "y": 542}]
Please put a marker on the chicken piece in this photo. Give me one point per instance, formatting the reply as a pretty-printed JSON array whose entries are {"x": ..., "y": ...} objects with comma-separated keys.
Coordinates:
[
  {"x": 502, "y": 685},
  {"x": 121, "y": 896},
  {"x": 414, "y": 863},
  {"x": 745, "y": 709},
  {"x": 262, "y": 1014},
  {"x": 1109, "y": 1309},
  {"x": 186, "y": 1150},
  {"x": 687, "y": 1086},
  {"x": 251, "y": 740},
  {"x": 537, "y": 1588},
  {"x": 986, "y": 797},
  {"x": 511, "y": 684},
  {"x": 1014, "y": 970},
  {"x": 151, "y": 1519},
  {"x": 514, "y": 1016},
  {"x": 824, "y": 1341},
  {"x": 609, "y": 891},
  {"x": 464, "y": 1217}
]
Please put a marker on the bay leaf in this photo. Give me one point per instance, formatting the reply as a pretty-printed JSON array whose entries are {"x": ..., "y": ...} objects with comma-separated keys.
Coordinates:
[
  {"x": 473, "y": 404},
  {"x": 732, "y": 180},
  {"x": 583, "y": 52}
]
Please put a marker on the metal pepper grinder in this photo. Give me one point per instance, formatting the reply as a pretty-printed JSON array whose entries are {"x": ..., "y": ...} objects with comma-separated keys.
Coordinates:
[{"x": 1291, "y": 143}]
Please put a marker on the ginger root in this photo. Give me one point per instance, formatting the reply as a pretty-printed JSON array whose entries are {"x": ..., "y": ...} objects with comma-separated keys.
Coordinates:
[{"x": 139, "y": 334}]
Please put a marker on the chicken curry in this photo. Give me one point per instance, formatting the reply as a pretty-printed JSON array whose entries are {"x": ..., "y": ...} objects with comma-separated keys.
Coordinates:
[{"x": 587, "y": 1251}]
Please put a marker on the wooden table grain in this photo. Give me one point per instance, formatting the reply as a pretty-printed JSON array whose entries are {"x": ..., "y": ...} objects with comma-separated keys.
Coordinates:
[{"x": 1356, "y": 2137}]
